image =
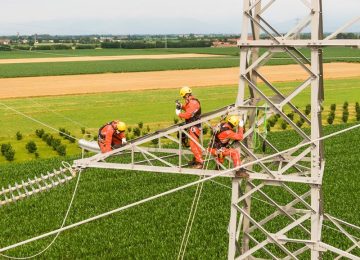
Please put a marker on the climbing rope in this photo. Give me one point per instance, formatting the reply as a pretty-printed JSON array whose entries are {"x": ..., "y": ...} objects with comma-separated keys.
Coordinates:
[{"x": 194, "y": 206}]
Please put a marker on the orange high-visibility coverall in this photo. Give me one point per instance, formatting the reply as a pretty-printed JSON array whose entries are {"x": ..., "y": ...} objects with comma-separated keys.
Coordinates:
[
  {"x": 109, "y": 138},
  {"x": 220, "y": 147},
  {"x": 192, "y": 112}
]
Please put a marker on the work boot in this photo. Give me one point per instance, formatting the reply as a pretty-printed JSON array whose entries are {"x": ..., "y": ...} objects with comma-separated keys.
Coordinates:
[
  {"x": 241, "y": 173},
  {"x": 198, "y": 165}
]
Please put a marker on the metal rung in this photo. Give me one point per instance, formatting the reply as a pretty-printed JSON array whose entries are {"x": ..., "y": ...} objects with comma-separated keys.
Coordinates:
[
  {"x": 24, "y": 187},
  {"x": 38, "y": 182},
  {"x": 18, "y": 190},
  {"x": 47, "y": 186},
  {"x": 31, "y": 185},
  {"x": 6, "y": 198}
]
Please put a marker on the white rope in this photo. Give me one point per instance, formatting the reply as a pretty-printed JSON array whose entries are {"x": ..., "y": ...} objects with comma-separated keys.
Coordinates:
[
  {"x": 193, "y": 210},
  {"x": 58, "y": 233},
  {"x": 174, "y": 190},
  {"x": 37, "y": 121}
]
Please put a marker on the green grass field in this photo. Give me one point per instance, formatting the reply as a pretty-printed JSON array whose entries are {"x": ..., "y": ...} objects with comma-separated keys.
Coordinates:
[
  {"x": 154, "y": 230},
  {"x": 96, "y": 67},
  {"x": 154, "y": 108}
]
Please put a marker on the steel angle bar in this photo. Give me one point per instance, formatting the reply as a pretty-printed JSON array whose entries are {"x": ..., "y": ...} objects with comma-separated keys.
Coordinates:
[
  {"x": 282, "y": 43},
  {"x": 165, "y": 150},
  {"x": 349, "y": 250},
  {"x": 253, "y": 5},
  {"x": 273, "y": 38},
  {"x": 306, "y": 3},
  {"x": 299, "y": 241},
  {"x": 285, "y": 158},
  {"x": 259, "y": 61},
  {"x": 296, "y": 92},
  {"x": 162, "y": 157},
  {"x": 295, "y": 160},
  {"x": 273, "y": 88},
  {"x": 275, "y": 176},
  {"x": 288, "y": 49},
  {"x": 342, "y": 230},
  {"x": 338, "y": 251},
  {"x": 159, "y": 169},
  {"x": 344, "y": 222},
  {"x": 280, "y": 208},
  {"x": 298, "y": 252},
  {"x": 342, "y": 28},
  {"x": 279, "y": 111},
  {"x": 173, "y": 139},
  {"x": 270, "y": 236},
  {"x": 263, "y": 248},
  {"x": 299, "y": 27},
  {"x": 249, "y": 193},
  {"x": 277, "y": 212},
  {"x": 266, "y": 6},
  {"x": 146, "y": 158},
  {"x": 155, "y": 157}
]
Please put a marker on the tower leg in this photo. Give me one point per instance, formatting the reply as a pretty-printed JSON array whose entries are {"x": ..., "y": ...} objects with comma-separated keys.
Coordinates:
[{"x": 233, "y": 219}]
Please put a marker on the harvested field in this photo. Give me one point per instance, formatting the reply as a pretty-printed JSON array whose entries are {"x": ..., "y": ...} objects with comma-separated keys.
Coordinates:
[
  {"x": 96, "y": 83},
  {"x": 106, "y": 58}
]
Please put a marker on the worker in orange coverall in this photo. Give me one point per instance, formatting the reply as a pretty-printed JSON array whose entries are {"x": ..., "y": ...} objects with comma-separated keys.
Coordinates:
[
  {"x": 191, "y": 112},
  {"x": 220, "y": 146},
  {"x": 111, "y": 136}
]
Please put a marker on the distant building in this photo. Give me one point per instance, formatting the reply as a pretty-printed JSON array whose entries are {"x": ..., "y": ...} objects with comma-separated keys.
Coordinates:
[
  {"x": 225, "y": 43},
  {"x": 4, "y": 41}
]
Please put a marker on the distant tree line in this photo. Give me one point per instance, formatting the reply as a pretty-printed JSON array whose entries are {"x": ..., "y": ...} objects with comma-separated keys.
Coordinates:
[{"x": 156, "y": 44}]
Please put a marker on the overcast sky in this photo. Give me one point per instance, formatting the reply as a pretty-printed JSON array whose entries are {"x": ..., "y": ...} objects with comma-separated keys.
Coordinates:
[{"x": 156, "y": 16}]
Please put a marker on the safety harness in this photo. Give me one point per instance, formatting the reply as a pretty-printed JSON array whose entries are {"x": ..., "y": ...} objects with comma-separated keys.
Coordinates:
[
  {"x": 101, "y": 137},
  {"x": 196, "y": 115},
  {"x": 217, "y": 144}
]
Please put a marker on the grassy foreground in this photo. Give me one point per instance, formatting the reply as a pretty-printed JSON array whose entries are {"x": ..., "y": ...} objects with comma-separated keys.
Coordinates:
[
  {"x": 95, "y": 67},
  {"x": 154, "y": 108},
  {"x": 154, "y": 230}
]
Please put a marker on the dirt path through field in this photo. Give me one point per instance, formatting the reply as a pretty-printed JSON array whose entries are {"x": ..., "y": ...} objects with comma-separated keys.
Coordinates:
[
  {"x": 96, "y": 83},
  {"x": 107, "y": 58}
]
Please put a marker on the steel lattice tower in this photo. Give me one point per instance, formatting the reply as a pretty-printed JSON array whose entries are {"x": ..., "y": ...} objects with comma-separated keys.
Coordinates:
[{"x": 305, "y": 206}]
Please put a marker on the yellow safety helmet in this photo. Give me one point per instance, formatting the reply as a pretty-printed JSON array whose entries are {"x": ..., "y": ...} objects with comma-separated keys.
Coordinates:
[
  {"x": 121, "y": 126},
  {"x": 185, "y": 90},
  {"x": 234, "y": 120}
]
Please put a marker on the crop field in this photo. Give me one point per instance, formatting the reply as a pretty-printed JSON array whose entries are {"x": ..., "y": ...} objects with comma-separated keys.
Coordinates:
[
  {"x": 154, "y": 230},
  {"x": 155, "y": 108},
  {"x": 231, "y": 51},
  {"x": 96, "y": 67}
]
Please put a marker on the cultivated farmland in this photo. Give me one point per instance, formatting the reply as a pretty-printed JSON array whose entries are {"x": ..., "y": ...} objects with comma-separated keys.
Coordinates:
[
  {"x": 73, "y": 112},
  {"x": 96, "y": 67}
]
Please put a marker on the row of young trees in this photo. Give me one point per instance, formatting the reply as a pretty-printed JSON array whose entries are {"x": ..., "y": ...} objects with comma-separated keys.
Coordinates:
[{"x": 51, "y": 141}]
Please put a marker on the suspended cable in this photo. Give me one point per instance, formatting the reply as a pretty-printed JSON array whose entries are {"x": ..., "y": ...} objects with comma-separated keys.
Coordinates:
[
  {"x": 38, "y": 121},
  {"x": 175, "y": 190}
]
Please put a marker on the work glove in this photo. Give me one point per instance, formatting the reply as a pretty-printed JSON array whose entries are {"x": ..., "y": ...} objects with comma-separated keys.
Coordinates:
[
  {"x": 123, "y": 141},
  {"x": 177, "y": 111},
  {"x": 241, "y": 123},
  {"x": 178, "y": 105}
]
